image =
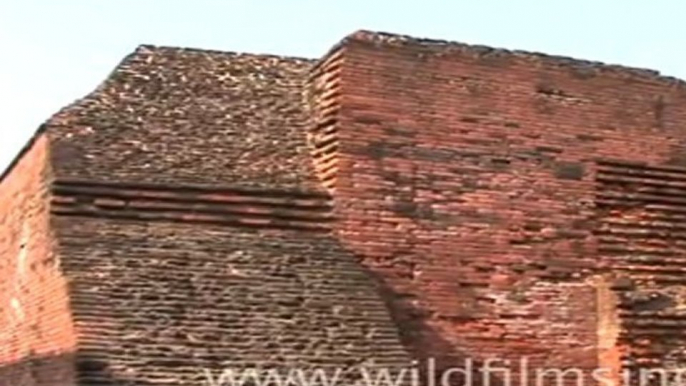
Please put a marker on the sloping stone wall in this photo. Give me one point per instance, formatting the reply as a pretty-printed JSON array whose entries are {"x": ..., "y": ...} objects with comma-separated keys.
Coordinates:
[{"x": 196, "y": 232}]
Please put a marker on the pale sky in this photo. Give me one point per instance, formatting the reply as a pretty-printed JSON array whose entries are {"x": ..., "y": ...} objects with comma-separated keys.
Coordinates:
[{"x": 55, "y": 51}]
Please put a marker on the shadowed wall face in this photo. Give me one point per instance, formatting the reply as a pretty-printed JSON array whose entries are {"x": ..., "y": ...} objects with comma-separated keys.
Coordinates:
[
  {"x": 35, "y": 319},
  {"x": 496, "y": 196}
]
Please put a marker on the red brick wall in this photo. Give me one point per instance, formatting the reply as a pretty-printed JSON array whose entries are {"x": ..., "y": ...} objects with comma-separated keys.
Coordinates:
[
  {"x": 466, "y": 182},
  {"x": 35, "y": 326},
  {"x": 495, "y": 197}
]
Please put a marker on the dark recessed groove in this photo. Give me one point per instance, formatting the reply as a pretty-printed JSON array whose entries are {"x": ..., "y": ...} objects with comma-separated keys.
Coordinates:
[
  {"x": 332, "y": 93},
  {"x": 186, "y": 188},
  {"x": 326, "y": 169},
  {"x": 648, "y": 207},
  {"x": 320, "y": 143},
  {"x": 638, "y": 166},
  {"x": 325, "y": 158},
  {"x": 620, "y": 183},
  {"x": 651, "y": 270},
  {"x": 217, "y": 220},
  {"x": 331, "y": 109},
  {"x": 327, "y": 123},
  {"x": 227, "y": 210},
  {"x": 642, "y": 198},
  {"x": 321, "y": 205},
  {"x": 332, "y": 148},
  {"x": 662, "y": 226}
]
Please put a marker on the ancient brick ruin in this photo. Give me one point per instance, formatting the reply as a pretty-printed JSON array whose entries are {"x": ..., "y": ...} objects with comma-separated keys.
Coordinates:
[{"x": 397, "y": 200}]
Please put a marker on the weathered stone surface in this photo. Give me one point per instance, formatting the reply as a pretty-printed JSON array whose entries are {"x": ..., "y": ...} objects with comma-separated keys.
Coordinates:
[
  {"x": 164, "y": 300},
  {"x": 173, "y": 115}
]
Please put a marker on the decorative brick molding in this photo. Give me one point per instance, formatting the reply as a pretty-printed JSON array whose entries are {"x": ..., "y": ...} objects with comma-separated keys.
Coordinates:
[
  {"x": 325, "y": 99},
  {"x": 641, "y": 241},
  {"x": 249, "y": 208}
]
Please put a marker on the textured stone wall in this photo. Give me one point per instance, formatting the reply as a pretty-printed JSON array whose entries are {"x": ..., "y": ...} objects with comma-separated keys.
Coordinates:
[
  {"x": 186, "y": 116},
  {"x": 469, "y": 180},
  {"x": 35, "y": 322},
  {"x": 160, "y": 303}
]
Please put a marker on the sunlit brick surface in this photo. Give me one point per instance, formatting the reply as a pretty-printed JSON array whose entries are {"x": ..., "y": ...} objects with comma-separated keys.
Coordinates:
[{"x": 399, "y": 199}]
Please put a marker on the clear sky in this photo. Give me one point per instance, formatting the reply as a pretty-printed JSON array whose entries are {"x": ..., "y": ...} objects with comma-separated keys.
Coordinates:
[{"x": 55, "y": 51}]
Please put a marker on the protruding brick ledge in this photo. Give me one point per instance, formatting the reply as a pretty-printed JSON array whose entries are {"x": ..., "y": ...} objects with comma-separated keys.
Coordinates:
[
  {"x": 323, "y": 135},
  {"x": 643, "y": 219},
  {"x": 249, "y": 208},
  {"x": 642, "y": 238}
]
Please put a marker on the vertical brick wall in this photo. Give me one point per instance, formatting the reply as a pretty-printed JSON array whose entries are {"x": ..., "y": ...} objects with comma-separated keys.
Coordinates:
[
  {"x": 36, "y": 333},
  {"x": 467, "y": 183}
]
